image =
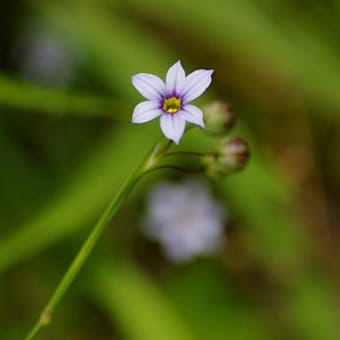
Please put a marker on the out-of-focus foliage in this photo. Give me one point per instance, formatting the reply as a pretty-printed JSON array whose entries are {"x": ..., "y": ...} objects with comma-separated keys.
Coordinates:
[{"x": 65, "y": 147}]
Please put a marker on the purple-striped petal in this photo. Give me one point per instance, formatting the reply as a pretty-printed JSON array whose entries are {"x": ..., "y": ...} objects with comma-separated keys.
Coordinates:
[
  {"x": 193, "y": 114},
  {"x": 145, "y": 112},
  {"x": 173, "y": 126},
  {"x": 195, "y": 84},
  {"x": 175, "y": 79},
  {"x": 149, "y": 85}
]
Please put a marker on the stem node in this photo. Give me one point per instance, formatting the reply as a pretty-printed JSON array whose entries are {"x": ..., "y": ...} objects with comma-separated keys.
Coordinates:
[{"x": 46, "y": 317}]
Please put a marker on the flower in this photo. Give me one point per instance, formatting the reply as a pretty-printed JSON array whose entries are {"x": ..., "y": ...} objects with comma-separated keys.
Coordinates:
[
  {"x": 170, "y": 100},
  {"x": 185, "y": 219},
  {"x": 46, "y": 58}
]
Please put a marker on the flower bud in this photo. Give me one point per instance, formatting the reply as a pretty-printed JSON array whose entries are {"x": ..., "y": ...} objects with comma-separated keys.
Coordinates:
[
  {"x": 230, "y": 155},
  {"x": 218, "y": 117}
]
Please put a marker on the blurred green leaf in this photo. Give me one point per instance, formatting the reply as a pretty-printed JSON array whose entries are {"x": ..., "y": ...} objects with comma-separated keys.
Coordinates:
[
  {"x": 312, "y": 309},
  {"x": 136, "y": 303},
  {"x": 24, "y": 96},
  {"x": 215, "y": 308}
]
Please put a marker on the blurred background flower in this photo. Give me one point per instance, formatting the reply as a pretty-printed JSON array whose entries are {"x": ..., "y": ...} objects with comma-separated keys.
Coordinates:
[
  {"x": 185, "y": 219},
  {"x": 45, "y": 57}
]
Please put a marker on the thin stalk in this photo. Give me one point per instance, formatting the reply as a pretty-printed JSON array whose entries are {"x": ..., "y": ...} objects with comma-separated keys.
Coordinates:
[
  {"x": 46, "y": 316},
  {"x": 184, "y": 153},
  {"x": 177, "y": 168}
]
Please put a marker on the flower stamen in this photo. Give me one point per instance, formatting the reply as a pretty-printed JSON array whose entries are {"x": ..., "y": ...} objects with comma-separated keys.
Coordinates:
[{"x": 172, "y": 104}]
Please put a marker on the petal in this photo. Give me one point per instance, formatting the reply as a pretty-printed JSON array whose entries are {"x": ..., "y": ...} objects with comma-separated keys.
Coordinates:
[
  {"x": 175, "y": 78},
  {"x": 173, "y": 126},
  {"x": 146, "y": 111},
  {"x": 148, "y": 85},
  {"x": 195, "y": 84},
  {"x": 193, "y": 114}
]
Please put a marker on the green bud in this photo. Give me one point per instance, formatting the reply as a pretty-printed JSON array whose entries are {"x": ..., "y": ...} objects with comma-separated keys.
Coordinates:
[
  {"x": 230, "y": 155},
  {"x": 218, "y": 117}
]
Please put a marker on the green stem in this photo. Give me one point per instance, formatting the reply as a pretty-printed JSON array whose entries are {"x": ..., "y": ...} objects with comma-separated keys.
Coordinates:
[
  {"x": 45, "y": 317},
  {"x": 184, "y": 153},
  {"x": 177, "y": 168}
]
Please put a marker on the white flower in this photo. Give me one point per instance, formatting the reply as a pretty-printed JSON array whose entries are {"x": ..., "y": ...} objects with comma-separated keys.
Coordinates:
[
  {"x": 185, "y": 219},
  {"x": 170, "y": 100}
]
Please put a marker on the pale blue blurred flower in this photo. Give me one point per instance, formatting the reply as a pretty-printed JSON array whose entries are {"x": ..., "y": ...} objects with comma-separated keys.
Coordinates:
[
  {"x": 185, "y": 219},
  {"x": 170, "y": 100},
  {"x": 46, "y": 58}
]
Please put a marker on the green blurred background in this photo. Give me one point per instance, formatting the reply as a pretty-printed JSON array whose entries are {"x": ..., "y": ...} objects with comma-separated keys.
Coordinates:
[{"x": 66, "y": 144}]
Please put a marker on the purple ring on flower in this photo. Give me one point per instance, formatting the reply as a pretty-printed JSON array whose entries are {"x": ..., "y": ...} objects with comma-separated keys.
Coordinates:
[{"x": 170, "y": 100}]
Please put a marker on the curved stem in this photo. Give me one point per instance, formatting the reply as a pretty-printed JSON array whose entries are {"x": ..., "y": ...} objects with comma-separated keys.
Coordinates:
[
  {"x": 89, "y": 244},
  {"x": 176, "y": 168},
  {"x": 184, "y": 153}
]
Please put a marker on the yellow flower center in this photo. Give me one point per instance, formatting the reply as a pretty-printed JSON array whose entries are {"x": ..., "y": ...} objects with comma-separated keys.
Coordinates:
[{"x": 172, "y": 104}]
